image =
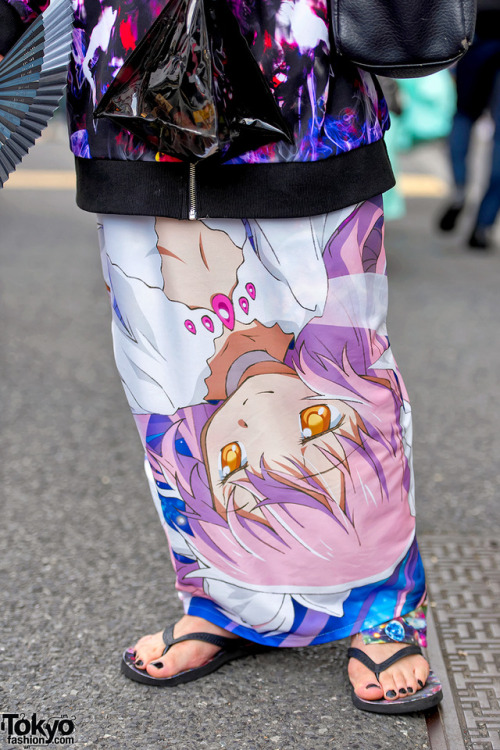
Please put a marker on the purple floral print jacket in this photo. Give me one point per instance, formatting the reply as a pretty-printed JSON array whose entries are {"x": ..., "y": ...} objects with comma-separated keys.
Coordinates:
[{"x": 332, "y": 107}]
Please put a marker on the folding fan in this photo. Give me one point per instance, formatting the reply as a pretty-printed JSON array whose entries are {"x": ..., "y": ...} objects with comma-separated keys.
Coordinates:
[{"x": 32, "y": 80}]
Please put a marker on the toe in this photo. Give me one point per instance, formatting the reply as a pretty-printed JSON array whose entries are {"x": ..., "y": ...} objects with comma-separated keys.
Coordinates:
[
  {"x": 389, "y": 687},
  {"x": 411, "y": 684},
  {"x": 400, "y": 678},
  {"x": 364, "y": 682},
  {"x": 166, "y": 666},
  {"x": 369, "y": 691},
  {"x": 421, "y": 673},
  {"x": 149, "y": 650},
  {"x": 158, "y": 669}
]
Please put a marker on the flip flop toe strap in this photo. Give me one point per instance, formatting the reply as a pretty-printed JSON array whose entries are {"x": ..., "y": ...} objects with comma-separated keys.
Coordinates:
[
  {"x": 377, "y": 669},
  {"x": 227, "y": 644}
]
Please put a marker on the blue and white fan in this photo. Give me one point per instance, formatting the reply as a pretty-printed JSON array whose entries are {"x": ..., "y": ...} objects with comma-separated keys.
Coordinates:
[{"x": 32, "y": 81}]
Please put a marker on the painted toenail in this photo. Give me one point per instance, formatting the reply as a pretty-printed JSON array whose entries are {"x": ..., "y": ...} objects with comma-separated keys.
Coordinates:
[
  {"x": 402, "y": 691},
  {"x": 134, "y": 654},
  {"x": 410, "y": 690},
  {"x": 372, "y": 686},
  {"x": 139, "y": 662},
  {"x": 420, "y": 683},
  {"x": 391, "y": 693},
  {"x": 157, "y": 664}
]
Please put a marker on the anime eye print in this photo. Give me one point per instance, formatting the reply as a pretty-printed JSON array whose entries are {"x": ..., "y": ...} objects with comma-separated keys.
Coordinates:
[
  {"x": 314, "y": 421},
  {"x": 232, "y": 458},
  {"x": 318, "y": 419}
]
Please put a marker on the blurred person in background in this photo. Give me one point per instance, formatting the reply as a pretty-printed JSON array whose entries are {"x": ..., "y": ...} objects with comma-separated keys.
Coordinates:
[{"x": 478, "y": 89}]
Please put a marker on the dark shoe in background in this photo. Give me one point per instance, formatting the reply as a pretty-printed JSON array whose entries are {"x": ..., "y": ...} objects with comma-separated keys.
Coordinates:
[
  {"x": 450, "y": 216},
  {"x": 480, "y": 238}
]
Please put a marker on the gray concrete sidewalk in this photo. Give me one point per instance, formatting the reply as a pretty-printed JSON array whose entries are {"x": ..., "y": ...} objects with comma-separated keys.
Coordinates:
[{"x": 85, "y": 568}]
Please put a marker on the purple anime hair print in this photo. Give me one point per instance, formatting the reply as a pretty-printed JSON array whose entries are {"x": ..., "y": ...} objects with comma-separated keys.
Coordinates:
[{"x": 277, "y": 427}]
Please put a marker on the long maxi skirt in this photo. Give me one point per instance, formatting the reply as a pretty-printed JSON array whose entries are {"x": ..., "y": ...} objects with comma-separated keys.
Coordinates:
[{"x": 255, "y": 358}]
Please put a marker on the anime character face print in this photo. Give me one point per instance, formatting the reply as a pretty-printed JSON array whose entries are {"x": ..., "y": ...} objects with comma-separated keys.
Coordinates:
[
  {"x": 275, "y": 422},
  {"x": 278, "y": 452}
]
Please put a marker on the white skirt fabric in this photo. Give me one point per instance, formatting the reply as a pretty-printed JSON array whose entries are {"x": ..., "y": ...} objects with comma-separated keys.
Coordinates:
[{"x": 277, "y": 428}]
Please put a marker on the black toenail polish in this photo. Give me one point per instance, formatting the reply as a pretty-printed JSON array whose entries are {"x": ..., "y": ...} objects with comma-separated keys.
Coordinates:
[
  {"x": 372, "y": 686},
  {"x": 420, "y": 683},
  {"x": 157, "y": 664},
  {"x": 410, "y": 690},
  {"x": 134, "y": 654},
  {"x": 402, "y": 691},
  {"x": 391, "y": 693},
  {"x": 139, "y": 662}
]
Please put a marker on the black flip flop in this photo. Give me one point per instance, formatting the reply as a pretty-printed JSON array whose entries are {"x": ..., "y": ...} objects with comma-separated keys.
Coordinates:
[
  {"x": 428, "y": 697},
  {"x": 231, "y": 648}
]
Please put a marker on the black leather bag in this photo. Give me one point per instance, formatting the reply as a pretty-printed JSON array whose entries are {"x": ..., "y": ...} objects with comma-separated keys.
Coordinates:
[{"x": 402, "y": 38}]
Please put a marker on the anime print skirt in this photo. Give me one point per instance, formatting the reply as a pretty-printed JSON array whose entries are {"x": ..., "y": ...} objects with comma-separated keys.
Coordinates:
[{"x": 277, "y": 429}]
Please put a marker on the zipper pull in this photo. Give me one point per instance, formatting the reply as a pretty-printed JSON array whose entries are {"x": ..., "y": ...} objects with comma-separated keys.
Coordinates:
[{"x": 192, "y": 215}]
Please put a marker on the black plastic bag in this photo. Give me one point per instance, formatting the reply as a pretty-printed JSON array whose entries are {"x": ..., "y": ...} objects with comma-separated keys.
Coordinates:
[{"x": 192, "y": 88}]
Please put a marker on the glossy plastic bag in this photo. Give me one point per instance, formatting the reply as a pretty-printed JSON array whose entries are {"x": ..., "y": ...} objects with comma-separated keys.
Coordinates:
[{"x": 192, "y": 88}]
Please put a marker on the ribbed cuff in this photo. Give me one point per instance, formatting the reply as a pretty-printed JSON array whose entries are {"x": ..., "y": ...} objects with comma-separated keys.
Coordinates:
[
  {"x": 231, "y": 191},
  {"x": 11, "y": 27}
]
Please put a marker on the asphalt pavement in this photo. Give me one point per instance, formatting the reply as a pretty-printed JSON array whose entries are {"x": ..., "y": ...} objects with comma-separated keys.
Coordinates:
[{"x": 85, "y": 568}]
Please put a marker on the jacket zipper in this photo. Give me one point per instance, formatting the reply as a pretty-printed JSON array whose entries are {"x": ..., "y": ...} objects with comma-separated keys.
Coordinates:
[{"x": 192, "y": 193}]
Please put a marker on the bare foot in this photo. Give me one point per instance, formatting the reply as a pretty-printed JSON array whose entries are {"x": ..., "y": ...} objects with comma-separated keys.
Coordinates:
[
  {"x": 181, "y": 656},
  {"x": 406, "y": 676}
]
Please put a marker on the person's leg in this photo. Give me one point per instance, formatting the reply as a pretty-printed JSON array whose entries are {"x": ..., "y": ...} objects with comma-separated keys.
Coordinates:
[
  {"x": 475, "y": 77},
  {"x": 459, "y": 147},
  {"x": 131, "y": 264},
  {"x": 490, "y": 204}
]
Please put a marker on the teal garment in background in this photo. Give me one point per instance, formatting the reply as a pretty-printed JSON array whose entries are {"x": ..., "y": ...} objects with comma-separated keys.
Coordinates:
[
  {"x": 428, "y": 105},
  {"x": 428, "y": 108},
  {"x": 394, "y": 202}
]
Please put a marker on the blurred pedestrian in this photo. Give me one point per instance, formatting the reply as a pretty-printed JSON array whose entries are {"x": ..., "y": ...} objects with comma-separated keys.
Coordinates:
[
  {"x": 252, "y": 345},
  {"x": 478, "y": 90}
]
